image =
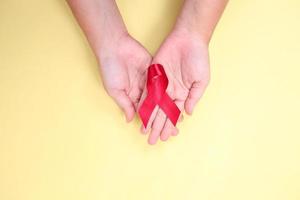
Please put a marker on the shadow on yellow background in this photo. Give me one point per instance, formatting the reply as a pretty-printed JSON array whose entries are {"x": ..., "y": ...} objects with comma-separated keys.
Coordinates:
[{"x": 62, "y": 137}]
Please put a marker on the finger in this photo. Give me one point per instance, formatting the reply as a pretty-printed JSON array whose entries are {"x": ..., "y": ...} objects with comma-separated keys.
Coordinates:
[
  {"x": 136, "y": 96},
  {"x": 176, "y": 131},
  {"x": 168, "y": 130},
  {"x": 173, "y": 130},
  {"x": 145, "y": 130},
  {"x": 141, "y": 91},
  {"x": 157, "y": 126},
  {"x": 196, "y": 91},
  {"x": 143, "y": 97},
  {"x": 125, "y": 104}
]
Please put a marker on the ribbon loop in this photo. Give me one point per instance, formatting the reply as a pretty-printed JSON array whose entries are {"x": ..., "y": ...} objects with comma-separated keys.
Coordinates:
[{"x": 157, "y": 83}]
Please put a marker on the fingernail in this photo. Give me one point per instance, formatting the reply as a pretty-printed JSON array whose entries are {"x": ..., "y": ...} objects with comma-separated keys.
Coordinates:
[
  {"x": 175, "y": 132},
  {"x": 164, "y": 138},
  {"x": 151, "y": 142},
  {"x": 190, "y": 112}
]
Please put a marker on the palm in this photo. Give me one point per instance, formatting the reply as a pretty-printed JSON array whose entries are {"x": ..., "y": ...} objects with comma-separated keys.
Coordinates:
[
  {"x": 123, "y": 72},
  {"x": 185, "y": 60}
]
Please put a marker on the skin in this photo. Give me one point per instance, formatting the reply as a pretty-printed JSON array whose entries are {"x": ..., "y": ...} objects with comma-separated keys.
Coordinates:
[
  {"x": 185, "y": 60},
  {"x": 123, "y": 73},
  {"x": 123, "y": 61},
  {"x": 184, "y": 55}
]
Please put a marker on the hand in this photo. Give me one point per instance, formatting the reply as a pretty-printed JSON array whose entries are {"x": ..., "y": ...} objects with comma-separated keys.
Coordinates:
[
  {"x": 123, "y": 64},
  {"x": 186, "y": 62}
]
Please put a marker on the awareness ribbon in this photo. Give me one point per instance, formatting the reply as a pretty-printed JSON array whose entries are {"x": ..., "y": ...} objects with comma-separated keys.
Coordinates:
[{"x": 157, "y": 83}]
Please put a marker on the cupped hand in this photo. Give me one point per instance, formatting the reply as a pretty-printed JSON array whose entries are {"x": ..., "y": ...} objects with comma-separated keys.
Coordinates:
[
  {"x": 186, "y": 62},
  {"x": 123, "y": 65}
]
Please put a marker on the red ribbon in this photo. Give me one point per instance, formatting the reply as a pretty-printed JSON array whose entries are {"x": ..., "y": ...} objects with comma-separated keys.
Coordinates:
[{"x": 157, "y": 83}]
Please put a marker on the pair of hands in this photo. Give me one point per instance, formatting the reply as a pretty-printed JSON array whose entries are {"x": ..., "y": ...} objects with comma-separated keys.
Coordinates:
[
  {"x": 124, "y": 61},
  {"x": 186, "y": 62}
]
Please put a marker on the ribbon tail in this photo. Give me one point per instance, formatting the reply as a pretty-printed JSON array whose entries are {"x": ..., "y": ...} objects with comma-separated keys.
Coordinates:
[
  {"x": 146, "y": 110},
  {"x": 170, "y": 108}
]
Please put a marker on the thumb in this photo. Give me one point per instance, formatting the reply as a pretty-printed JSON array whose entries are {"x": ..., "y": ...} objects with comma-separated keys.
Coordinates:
[
  {"x": 124, "y": 102},
  {"x": 196, "y": 91}
]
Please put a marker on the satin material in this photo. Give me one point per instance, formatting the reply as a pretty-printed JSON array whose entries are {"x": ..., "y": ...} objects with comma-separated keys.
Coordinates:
[{"x": 157, "y": 83}]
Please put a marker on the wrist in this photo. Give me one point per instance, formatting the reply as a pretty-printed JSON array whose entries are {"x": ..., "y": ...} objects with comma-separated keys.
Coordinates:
[
  {"x": 110, "y": 42},
  {"x": 188, "y": 32}
]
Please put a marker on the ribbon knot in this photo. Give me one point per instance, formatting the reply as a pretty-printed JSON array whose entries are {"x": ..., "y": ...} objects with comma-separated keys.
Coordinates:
[{"x": 157, "y": 84}]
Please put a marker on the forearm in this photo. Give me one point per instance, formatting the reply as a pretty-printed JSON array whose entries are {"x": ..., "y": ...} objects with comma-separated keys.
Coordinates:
[
  {"x": 101, "y": 22},
  {"x": 200, "y": 17}
]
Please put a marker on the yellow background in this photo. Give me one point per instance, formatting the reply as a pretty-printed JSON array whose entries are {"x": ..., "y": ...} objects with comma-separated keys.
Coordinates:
[{"x": 62, "y": 137}]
